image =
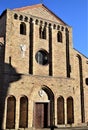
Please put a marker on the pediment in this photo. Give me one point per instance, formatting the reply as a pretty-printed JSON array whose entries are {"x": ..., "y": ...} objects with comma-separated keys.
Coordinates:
[{"x": 41, "y": 11}]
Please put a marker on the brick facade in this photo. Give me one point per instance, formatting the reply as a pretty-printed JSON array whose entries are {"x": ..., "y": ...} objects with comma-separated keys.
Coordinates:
[{"x": 56, "y": 84}]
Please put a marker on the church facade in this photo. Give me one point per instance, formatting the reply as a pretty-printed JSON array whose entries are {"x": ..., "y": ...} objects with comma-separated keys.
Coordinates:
[{"x": 44, "y": 80}]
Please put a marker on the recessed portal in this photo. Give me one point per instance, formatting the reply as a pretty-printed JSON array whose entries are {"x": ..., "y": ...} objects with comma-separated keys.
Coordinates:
[{"x": 43, "y": 116}]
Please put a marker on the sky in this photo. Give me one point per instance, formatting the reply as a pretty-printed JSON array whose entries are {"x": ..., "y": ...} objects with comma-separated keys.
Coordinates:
[{"x": 72, "y": 12}]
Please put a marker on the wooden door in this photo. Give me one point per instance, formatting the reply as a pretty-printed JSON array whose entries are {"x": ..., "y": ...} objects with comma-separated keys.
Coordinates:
[
  {"x": 11, "y": 108},
  {"x": 60, "y": 111},
  {"x": 70, "y": 111},
  {"x": 23, "y": 122},
  {"x": 41, "y": 115}
]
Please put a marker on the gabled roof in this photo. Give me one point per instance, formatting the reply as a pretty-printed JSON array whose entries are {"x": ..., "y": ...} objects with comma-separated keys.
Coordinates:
[
  {"x": 29, "y": 7},
  {"x": 34, "y": 10}
]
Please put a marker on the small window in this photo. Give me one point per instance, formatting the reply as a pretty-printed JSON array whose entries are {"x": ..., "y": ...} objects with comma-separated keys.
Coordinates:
[
  {"x": 21, "y": 17},
  {"x": 42, "y": 32},
  {"x": 23, "y": 28},
  {"x": 86, "y": 81},
  {"x": 54, "y": 26},
  {"x": 62, "y": 28},
  {"x": 41, "y": 22},
  {"x": 36, "y": 22},
  {"x": 58, "y": 27},
  {"x": 15, "y": 16},
  {"x": 26, "y": 19},
  {"x": 59, "y": 37},
  {"x": 45, "y": 24}
]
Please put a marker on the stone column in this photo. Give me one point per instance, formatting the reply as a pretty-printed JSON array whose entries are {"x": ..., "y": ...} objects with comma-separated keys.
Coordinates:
[
  {"x": 55, "y": 111},
  {"x": 17, "y": 114},
  {"x": 65, "y": 107},
  {"x": 30, "y": 114},
  {"x": 5, "y": 112}
]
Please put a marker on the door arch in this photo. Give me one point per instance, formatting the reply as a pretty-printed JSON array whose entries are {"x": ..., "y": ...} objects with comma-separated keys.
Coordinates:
[
  {"x": 51, "y": 98},
  {"x": 44, "y": 110}
]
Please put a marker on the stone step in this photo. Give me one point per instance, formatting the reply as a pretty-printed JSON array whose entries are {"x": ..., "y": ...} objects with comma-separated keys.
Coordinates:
[{"x": 64, "y": 128}]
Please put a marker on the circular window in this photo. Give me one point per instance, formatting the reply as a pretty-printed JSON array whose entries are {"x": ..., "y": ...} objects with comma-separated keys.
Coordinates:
[{"x": 42, "y": 57}]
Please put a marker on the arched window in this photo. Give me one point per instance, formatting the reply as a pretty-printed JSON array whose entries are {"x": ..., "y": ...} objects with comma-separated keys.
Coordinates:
[
  {"x": 26, "y": 19},
  {"x": 58, "y": 27},
  {"x": 70, "y": 110},
  {"x": 59, "y": 37},
  {"x": 23, "y": 28},
  {"x": 60, "y": 110},
  {"x": 62, "y": 28},
  {"x": 42, "y": 32},
  {"x": 20, "y": 17},
  {"x": 36, "y": 22},
  {"x": 54, "y": 26},
  {"x": 23, "y": 123},
  {"x": 15, "y": 16},
  {"x": 11, "y": 109}
]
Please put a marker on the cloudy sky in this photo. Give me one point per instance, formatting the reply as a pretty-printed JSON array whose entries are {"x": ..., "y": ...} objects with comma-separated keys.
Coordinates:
[{"x": 73, "y": 12}]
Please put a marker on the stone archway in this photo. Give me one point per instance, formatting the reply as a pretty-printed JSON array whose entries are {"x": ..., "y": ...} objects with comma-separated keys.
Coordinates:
[{"x": 44, "y": 110}]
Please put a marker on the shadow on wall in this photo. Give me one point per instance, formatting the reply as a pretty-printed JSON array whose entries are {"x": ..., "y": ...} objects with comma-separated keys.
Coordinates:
[{"x": 8, "y": 75}]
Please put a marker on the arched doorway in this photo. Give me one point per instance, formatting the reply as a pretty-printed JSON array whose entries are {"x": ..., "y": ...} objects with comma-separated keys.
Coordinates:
[{"x": 44, "y": 110}]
